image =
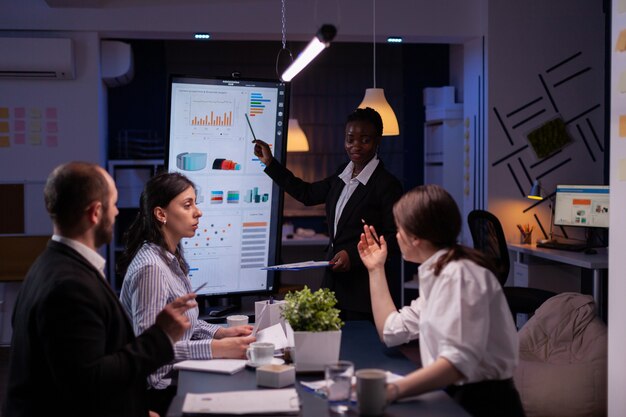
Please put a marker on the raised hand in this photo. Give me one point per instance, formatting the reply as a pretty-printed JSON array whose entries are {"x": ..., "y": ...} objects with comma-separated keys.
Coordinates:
[
  {"x": 172, "y": 319},
  {"x": 372, "y": 253},
  {"x": 262, "y": 151}
]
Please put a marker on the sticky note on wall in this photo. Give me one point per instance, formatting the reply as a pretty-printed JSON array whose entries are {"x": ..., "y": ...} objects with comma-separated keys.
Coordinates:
[
  {"x": 620, "y": 46},
  {"x": 622, "y": 126}
]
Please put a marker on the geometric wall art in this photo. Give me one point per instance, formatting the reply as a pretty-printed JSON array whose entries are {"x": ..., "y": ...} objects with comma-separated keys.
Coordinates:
[{"x": 548, "y": 124}]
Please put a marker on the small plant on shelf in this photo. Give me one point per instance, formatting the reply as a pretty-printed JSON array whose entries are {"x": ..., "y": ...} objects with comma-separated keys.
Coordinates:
[{"x": 308, "y": 311}]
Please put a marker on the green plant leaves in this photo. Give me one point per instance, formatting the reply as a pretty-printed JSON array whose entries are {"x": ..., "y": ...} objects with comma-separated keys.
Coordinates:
[{"x": 312, "y": 311}]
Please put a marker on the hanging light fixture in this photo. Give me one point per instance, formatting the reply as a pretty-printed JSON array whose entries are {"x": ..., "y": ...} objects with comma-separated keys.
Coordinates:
[
  {"x": 375, "y": 97},
  {"x": 320, "y": 41},
  {"x": 296, "y": 139}
]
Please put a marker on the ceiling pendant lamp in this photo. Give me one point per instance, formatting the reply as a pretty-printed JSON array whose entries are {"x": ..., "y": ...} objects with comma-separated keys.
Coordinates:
[
  {"x": 375, "y": 97},
  {"x": 296, "y": 139}
]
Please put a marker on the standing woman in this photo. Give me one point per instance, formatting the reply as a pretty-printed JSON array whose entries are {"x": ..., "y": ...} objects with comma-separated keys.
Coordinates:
[
  {"x": 468, "y": 341},
  {"x": 156, "y": 273},
  {"x": 360, "y": 190}
]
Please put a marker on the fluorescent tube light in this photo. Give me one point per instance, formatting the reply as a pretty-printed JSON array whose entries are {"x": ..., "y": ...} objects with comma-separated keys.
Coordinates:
[{"x": 320, "y": 41}]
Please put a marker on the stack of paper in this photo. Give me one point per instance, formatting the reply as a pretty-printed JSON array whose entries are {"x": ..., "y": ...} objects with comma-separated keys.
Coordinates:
[
  {"x": 275, "y": 401},
  {"x": 221, "y": 366}
]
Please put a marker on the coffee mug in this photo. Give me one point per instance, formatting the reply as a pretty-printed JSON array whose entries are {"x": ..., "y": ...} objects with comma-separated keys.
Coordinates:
[
  {"x": 260, "y": 353},
  {"x": 371, "y": 391},
  {"x": 236, "y": 320}
]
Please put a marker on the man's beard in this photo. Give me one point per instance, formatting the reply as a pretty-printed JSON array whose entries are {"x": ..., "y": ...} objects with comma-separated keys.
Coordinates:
[{"x": 104, "y": 232}]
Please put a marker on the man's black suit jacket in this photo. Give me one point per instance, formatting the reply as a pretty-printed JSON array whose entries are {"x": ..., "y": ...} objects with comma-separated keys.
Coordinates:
[
  {"x": 73, "y": 351},
  {"x": 373, "y": 203}
]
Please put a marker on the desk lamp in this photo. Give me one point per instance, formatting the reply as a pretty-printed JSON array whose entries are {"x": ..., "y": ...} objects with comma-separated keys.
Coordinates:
[{"x": 537, "y": 193}]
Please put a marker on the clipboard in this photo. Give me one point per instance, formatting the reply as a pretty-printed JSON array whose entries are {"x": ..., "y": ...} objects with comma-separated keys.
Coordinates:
[{"x": 298, "y": 266}]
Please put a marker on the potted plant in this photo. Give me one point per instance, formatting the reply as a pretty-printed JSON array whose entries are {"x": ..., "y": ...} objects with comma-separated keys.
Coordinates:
[{"x": 316, "y": 328}]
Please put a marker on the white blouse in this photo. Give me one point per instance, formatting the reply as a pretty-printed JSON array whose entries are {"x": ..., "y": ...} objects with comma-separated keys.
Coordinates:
[{"x": 461, "y": 315}]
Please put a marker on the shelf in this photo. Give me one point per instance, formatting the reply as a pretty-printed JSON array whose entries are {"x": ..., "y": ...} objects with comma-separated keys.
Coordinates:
[{"x": 130, "y": 178}]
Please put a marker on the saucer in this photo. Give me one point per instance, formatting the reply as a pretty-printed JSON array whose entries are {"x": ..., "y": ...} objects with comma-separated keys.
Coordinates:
[{"x": 275, "y": 361}]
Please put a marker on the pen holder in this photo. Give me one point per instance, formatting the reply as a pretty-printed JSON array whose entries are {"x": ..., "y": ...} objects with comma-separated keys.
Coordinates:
[{"x": 526, "y": 238}]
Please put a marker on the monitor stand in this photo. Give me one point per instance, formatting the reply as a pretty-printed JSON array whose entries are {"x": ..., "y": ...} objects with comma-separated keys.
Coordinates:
[
  {"x": 597, "y": 237},
  {"x": 218, "y": 306}
]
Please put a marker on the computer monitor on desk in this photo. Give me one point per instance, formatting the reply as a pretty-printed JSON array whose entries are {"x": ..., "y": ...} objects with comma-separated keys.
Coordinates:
[{"x": 583, "y": 206}]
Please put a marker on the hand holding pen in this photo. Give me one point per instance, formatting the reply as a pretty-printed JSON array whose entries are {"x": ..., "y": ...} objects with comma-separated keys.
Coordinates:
[{"x": 373, "y": 232}]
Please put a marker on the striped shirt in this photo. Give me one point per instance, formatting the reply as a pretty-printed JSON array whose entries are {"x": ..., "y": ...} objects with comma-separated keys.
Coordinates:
[{"x": 154, "y": 279}]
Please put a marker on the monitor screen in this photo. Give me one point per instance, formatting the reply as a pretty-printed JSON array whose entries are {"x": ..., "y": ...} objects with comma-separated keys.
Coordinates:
[
  {"x": 211, "y": 121},
  {"x": 582, "y": 205}
]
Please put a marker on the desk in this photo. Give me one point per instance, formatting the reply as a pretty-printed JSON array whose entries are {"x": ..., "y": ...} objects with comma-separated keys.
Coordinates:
[
  {"x": 360, "y": 344},
  {"x": 596, "y": 263}
]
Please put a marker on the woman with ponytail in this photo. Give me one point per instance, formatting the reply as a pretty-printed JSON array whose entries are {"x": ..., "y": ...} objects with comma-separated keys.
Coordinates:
[
  {"x": 155, "y": 273},
  {"x": 468, "y": 341}
]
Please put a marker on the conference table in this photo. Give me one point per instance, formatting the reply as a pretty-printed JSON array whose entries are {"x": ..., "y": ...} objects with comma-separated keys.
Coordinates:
[{"x": 359, "y": 344}]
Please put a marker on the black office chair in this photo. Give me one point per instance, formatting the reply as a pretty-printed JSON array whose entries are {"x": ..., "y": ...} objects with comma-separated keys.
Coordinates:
[{"x": 488, "y": 238}]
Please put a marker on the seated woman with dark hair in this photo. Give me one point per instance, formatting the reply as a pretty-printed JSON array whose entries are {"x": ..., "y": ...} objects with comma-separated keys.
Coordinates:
[{"x": 156, "y": 273}]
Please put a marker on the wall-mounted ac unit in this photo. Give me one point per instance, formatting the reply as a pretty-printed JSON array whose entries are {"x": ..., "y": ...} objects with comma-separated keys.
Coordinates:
[{"x": 37, "y": 58}]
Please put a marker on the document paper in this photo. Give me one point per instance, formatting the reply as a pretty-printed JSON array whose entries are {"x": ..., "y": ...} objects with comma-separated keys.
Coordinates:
[
  {"x": 266, "y": 401},
  {"x": 221, "y": 366}
]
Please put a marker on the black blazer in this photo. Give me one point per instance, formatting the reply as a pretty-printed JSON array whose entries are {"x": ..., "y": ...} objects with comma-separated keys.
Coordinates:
[
  {"x": 372, "y": 202},
  {"x": 73, "y": 351}
]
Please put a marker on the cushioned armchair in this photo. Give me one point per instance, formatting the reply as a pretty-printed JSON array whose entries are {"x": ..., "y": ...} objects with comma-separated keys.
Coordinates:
[{"x": 562, "y": 370}]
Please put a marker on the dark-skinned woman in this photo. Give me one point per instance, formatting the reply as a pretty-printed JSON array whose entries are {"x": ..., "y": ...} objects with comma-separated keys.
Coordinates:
[{"x": 361, "y": 190}]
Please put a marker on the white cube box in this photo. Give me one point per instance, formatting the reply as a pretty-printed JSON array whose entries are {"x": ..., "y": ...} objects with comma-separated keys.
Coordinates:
[{"x": 275, "y": 376}]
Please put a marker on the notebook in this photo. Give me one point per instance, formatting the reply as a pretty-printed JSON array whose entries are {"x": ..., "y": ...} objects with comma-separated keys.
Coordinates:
[{"x": 221, "y": 366}]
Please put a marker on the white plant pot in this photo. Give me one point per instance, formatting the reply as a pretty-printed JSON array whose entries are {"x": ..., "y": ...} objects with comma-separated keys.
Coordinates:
[{"x": 313, "y": 350}]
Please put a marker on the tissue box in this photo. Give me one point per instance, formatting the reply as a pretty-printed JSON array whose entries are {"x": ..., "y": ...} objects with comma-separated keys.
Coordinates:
[{"x": 275, "y": 376}]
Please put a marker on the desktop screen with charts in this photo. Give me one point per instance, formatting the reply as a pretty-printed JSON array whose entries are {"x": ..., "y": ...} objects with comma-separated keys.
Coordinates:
[
  {"x": 582, "y": 205},
  {"x": 210, "y": 141}
]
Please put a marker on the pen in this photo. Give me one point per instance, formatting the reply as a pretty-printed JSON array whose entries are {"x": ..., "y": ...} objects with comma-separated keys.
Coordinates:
[
  {"x": 199, "y": 288},
  {"x": 250, "y": 126},
  {"x": 373, "y": 237}
]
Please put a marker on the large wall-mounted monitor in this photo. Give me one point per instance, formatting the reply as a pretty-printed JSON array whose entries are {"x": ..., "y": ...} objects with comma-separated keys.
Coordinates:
[
  {"x": 582, "y": 205},
  {"x": 210, "y": 141}
]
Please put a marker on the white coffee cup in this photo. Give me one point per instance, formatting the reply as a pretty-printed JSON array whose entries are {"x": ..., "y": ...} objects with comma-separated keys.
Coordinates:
[
  {"x": 260, "y": 353},
  {"x": 371, "y": 391},
  {"x": 237, "y": 320}
]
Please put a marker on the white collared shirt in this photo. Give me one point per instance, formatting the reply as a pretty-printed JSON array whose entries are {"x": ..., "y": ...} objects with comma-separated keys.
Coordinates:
[
  {"x": 461, "y": 315},
  {"x": 93, "y": 257},
  {"x": 351, "y": 184}
]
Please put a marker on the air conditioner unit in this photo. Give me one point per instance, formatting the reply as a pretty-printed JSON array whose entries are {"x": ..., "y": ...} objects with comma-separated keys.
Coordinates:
[{"x": 37, "y": 58}]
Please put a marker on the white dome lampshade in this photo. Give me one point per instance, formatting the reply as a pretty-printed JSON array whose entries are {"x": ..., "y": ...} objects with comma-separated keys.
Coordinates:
[
  {"x": 375, "y": 98},
  {"x": 296, "y": 139}
]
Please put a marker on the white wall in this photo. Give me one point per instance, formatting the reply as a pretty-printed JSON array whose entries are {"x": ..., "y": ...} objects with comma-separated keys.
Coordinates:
[
  {"x": 526, "y": 42},
  {"x": 423, "y": 20},
  {"x": 78, "y": 104},
  {"x": 617, "y": 261}
]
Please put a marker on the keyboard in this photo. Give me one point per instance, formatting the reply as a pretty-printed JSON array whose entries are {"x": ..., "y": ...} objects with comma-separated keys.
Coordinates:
[{"x": 572, "y": 247}]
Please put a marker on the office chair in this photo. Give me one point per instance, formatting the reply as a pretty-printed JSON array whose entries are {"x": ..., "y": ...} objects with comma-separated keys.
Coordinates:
[{"x": 488, "y": 237}]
